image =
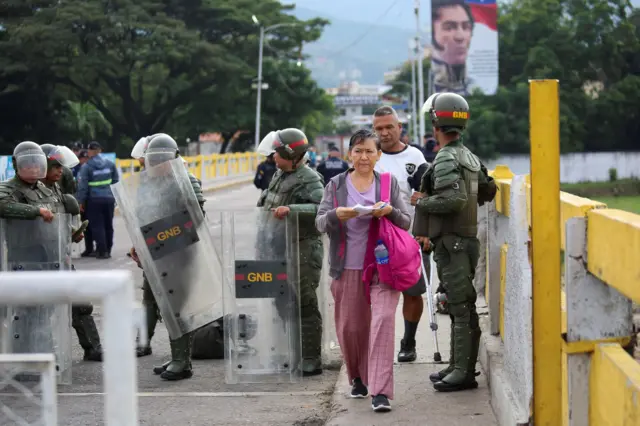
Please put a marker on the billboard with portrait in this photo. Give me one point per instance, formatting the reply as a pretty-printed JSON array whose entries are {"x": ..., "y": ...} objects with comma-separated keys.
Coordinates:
[{"x": 464, "y": 54}]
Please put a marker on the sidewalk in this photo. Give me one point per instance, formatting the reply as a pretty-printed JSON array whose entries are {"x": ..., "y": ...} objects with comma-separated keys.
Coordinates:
[{"x": 416, "y": 402}]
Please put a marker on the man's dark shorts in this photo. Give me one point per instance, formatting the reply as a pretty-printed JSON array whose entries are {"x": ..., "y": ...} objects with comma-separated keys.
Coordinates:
[{"x": 421, "y": 286}]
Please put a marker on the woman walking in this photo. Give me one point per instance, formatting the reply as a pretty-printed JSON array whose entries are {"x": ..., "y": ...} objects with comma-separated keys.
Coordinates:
[{"x": 364, "y": 314}]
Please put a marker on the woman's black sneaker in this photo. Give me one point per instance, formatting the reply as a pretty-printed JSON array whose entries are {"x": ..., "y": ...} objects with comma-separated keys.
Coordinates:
[
  {"x": 381, "y": 403},
  {"x": 359, "y": 390}
]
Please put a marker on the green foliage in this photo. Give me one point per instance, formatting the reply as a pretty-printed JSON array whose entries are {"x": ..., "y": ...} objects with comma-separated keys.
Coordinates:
[
  {"x": 585, "y": 44},
  {"x": 143, "y": 66}
]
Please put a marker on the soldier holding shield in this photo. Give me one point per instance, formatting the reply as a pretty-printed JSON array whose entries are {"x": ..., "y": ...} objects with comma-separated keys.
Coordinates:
[
  {"x": 160, "y": 220},
  {"x": 296, "y": 188},
  {"x": 60, "y": 161},
  {"x": 152, "y": 312},
  {"x": 37, "y": 245}
]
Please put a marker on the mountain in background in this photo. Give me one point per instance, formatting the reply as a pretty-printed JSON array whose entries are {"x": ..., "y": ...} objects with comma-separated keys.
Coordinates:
[{"x": 361, "y": 47}]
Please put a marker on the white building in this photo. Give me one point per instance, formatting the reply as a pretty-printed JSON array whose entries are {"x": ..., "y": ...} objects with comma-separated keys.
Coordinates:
[{"x": 356, "y": 103}]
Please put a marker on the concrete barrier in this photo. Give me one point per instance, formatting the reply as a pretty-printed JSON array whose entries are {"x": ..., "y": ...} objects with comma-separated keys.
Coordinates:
[{"x": 601, "y": 382}]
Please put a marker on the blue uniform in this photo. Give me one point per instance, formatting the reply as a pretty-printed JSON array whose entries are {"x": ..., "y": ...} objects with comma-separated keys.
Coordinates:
[
  {"x": 331, "y": 167},
  {"x": 94, "y": 192}
]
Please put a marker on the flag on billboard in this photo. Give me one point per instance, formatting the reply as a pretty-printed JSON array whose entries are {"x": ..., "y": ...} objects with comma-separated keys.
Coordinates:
[{"x": 485, "y": 12}]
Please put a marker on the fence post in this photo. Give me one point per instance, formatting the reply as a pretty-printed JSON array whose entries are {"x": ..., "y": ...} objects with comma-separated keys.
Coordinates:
[{"x": 545, "y": 221}]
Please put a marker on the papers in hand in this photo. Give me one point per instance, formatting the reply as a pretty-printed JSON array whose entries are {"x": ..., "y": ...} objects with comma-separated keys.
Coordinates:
[{"x": 366, "y": 210}]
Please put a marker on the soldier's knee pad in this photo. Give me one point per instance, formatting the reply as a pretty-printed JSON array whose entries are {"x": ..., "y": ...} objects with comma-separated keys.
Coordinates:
[
  {"x": 81, "y": 310},
  {"x": 460, "y": 312}
]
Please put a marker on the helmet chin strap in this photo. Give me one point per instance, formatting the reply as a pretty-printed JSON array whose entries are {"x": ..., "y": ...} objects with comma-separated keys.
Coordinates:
[{"x": 295, "y": 164}]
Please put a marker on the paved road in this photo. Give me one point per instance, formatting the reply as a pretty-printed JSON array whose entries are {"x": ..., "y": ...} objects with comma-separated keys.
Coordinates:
[{"x": 204, "y": 399}]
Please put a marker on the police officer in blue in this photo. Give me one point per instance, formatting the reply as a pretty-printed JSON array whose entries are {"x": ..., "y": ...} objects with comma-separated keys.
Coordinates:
[
  {"x": 95, "y": 198},
  {"x": 264, "y": 173},
  {"x": 332, "y": 166}
]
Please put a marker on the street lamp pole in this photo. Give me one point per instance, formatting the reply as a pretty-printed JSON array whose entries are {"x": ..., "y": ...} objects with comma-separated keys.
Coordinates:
[
  {"x": 263, "y": 31},
  {"x": 419, "y": 60},
  {"x": 259, "y": 88}
]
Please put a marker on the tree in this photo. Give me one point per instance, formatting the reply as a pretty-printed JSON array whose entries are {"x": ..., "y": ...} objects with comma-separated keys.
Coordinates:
[
  {"x": 86, "y": 120},
  {"x": 145, "y": 64}
]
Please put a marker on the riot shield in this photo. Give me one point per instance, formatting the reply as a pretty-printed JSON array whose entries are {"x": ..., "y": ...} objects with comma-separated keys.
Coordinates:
[
  {"x": 331, "y": 355},
  {"x": 261, "y": 297},
  {"x": 174, "y": 245},
  {"x": 34, "y": 245}
]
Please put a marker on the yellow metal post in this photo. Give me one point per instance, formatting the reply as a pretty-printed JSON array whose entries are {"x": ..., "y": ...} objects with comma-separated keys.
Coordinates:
[{"x": 544, "y": 124}]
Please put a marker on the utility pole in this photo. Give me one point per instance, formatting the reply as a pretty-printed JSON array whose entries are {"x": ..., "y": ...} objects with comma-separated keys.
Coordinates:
[
  {"x": 414, "y": 100},
  {"x": 419, "y": 60},
  {"x": 259, "y": 85}
]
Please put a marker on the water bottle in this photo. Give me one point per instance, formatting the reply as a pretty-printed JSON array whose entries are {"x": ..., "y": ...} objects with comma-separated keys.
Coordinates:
[{"x": 382, "y": 254}]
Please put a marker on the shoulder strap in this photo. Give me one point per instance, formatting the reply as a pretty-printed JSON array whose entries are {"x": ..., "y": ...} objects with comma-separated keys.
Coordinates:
[{"x": 385, "y": 187}]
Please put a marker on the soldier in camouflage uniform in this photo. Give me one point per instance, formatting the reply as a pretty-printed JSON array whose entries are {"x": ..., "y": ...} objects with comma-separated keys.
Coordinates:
[
  {"x": 163, "y": 148},
  {"x": 25, "y": 197},
  {"x": 81, "y": 319},
  {"x": 296, "y": 188},
  {"x": 453, "y": 189},
  {"x": 148, "y": 300}
]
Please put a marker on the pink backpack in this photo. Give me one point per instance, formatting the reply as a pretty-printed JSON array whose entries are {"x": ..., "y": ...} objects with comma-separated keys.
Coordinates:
[{"x": 404, "y": 267}]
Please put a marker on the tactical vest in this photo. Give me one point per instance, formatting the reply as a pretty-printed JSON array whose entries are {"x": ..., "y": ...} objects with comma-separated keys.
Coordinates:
[
  {"x": 465, "y": 222},
  {"x": 284, "y": 186},
  {"x": 282, "y": 191},
  {"x": 41, "y": 196}
]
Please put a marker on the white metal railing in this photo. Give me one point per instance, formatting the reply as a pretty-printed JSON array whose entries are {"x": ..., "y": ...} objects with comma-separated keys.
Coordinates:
[
  {"x": 114, "y": 291},
  {"x": 12, "y": 365}
]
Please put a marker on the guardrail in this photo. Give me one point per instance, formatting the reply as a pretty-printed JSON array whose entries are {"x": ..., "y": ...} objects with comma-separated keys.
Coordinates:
[
  {"x": 562, "y": 344},
  {"x": 207, "y": 167}
]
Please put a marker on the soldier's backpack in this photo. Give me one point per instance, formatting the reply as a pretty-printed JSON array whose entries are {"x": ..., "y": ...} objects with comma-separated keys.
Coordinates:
[
  {"x": 405, "y": 259},
  {"x": 208, "y": 341}
]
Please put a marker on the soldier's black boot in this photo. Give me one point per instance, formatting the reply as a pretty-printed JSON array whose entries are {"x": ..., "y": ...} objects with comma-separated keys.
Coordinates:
[
  {"x": 161, "y": 368},
  {"x": 407, "y": 350},
  {"x": 473, "y": 358},
  {"x": 152, "y": 317},
  {"x": 311, "y": 364},
  {"x": 311, "y": 367},
  {"x": 437, "y": 376},
  {"x": 459, "y": 378},
  {"x": 83, "y": 323},
  {"x": 180, "y": 366}
]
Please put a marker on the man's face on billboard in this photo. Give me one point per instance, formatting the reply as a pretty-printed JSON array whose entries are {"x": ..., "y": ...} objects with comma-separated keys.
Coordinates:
[{"x": 452, "y": 31}]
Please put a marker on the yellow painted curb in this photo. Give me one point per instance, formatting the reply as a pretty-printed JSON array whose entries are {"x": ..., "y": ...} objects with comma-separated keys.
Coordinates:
[{"x": 213, "y": 188}]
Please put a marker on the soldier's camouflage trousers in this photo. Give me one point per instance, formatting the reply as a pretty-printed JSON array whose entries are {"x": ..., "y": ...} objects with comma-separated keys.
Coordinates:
[
  {"x": 83, "y": 323},
  {"x": 180, "y": 363},
  {"x": 456, "y": 259},
  {"x": 152, "y": 314},
  {"x": 311, "y": 257}
]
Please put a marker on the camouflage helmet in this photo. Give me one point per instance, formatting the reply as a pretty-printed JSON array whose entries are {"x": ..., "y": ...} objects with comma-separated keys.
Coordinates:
[
  {"x": 290, "y": 144},
  {"x": 447, "y": 111}
]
